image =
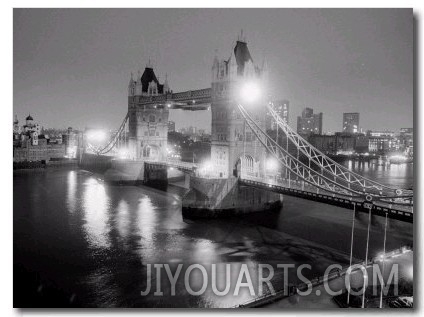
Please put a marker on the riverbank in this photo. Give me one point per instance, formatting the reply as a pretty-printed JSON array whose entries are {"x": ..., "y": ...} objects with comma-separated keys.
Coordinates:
[{"x": 18, "y": 166}]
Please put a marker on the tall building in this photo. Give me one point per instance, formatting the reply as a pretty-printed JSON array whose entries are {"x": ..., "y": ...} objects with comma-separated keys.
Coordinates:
[
  {"x": 171, "y": 126},
  {"x": 282, "y": 109},
  {"x": 309, "y": 123},
  {"x": 351, "y": 122},
  {"x": 406, "y": 137}
]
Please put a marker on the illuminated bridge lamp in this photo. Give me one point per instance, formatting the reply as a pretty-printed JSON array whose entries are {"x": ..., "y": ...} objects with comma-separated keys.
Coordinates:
[
  {"x": 96, "y": 136},
  {"x": 271, "y": 164},
  {"x": 250, "y": 92},
  {"x": 123, "y": 153},
  {"x": 206, "y": 168}
]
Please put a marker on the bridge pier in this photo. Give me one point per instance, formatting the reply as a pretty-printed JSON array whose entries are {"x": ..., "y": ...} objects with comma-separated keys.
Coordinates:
[
  {"x": 126, "y": 172},
  {"x": 156, "y": 176},
  {"x": 95, "y": 163},
  {"x": 212, "y": 198}
]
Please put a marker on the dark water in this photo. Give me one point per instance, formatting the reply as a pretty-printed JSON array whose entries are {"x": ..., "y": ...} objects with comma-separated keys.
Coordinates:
[{"x": 79, "y": 242}]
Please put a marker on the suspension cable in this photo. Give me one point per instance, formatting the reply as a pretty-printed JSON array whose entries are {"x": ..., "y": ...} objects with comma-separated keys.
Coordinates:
[
  {"x": 108, "y": 147},
  {"x": 384, "y": 262},
  {"x": 290, "y": 159},
  {"x": 314, "y": 154},
  {"x": 351, "y": 242},
  {"x": 366, "y": 253}
]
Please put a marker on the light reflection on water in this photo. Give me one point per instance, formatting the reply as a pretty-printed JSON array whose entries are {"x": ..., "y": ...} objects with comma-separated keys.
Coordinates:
[
  {"x": 401, "y": 175},
  {"x": 116, "y": 230},
  {"x": 71, "y": 190},
  {"x": 146, "y": 224},
  {"x": 96, "y": 210},
  {"x": 123, "y": 220}
]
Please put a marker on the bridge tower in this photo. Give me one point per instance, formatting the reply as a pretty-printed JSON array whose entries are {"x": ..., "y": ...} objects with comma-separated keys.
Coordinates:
[
  {"x": 148, "y": 124},
  {"x": 233, "y": 144},
  {"x": 234, "y": 147}
]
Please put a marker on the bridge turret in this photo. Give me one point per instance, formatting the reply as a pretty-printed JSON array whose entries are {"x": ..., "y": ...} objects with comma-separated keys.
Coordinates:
[
  {"x": 231, "y": 143},
  {"x": 166, "y": 88},
  {"x": 265, "y": 72},
  {"x": 232, "y": 68},
  {"x": 215, "y": 67},
  {"x": 138, "y": 85},
  {"x": 148, "y": 125},
  {"x": 131, "y": 86}
]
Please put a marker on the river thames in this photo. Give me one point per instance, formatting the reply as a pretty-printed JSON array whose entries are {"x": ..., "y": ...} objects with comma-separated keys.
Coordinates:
[{"x": 81, "y": 242}]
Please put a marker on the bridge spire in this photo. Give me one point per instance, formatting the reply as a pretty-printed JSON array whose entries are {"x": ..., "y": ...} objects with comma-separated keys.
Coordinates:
[{"x": 165, "y": 84}]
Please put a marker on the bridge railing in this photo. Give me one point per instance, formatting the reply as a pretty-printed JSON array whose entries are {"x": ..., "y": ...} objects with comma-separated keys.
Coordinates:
[
  {"x": 174, "y": 163},
  {"x": 302, "y": 186},
  {"x": 185, "y": 96},
  {"x": 318, "y": 170}
]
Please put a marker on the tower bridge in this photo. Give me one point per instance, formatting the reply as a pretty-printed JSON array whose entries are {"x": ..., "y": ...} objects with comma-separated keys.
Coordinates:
[{"x": 236, "y": 179}]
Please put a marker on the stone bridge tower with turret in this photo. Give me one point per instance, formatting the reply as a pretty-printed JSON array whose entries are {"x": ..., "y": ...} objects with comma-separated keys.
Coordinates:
[
  {"x": 148, "y": 124},
  {"x": 234, "y": 146},
  {"x": 233, "y": 143}
]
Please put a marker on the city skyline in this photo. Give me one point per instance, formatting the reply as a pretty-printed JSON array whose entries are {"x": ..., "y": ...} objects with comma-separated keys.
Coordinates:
[{"x": 325, "y": 61}]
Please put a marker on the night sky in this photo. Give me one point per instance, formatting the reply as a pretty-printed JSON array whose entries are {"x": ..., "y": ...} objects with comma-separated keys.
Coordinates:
[{"x": 72, "y": 66}]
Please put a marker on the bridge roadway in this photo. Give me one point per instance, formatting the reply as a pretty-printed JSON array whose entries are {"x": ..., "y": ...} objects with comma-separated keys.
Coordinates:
[
  {"x": 183, "y": 166},
  {"x": 187, "y": 100},
  {"x": 307, "y": 191}
]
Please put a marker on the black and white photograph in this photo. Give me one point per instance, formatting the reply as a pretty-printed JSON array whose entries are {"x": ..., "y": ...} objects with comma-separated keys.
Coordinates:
[{"x": 213, "y": 158}]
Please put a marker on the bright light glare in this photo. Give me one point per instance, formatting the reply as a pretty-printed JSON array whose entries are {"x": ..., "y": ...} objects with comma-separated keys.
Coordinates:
[
  {"x": 71, "y": 152},
  {"x": 206, "y": 169},
  {"x": 207, "y": 166},
  {"x": 96, "y": 135},
  {"x": 398, "y": 157},
  {"x": 123, "y": 153},
  {"x": 271, "y": 164},
  {"x": 250, "y": 92}
]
